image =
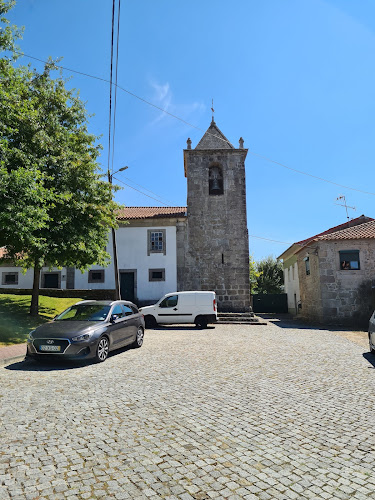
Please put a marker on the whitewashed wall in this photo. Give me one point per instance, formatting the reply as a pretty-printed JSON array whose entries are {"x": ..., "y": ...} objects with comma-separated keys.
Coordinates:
[
  {"x": 132, "y": 255},
  {"x": 291, "y": 283},
  {"x": 26, "y": 280}
]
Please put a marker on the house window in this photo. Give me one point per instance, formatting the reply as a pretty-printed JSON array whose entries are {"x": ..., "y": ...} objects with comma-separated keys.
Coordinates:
[
  {"x": 349, "y": 260},
  {"x": 156, "y": 275},
  {"x": 156, "y": 241},
  {"x": 96, "y": 276},
  {"x": 307, "y": 265},
  {"x": 215, "y": 181},
  {"x": 9, "y": 279}
]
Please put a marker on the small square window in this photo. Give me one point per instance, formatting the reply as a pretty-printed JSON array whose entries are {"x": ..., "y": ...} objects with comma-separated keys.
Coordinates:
[
  {"x": 349, "y": 260},
  {"x": 96, "y": 276},
  {"x": 10, "y": 278},
  {"x": 156, "y": 241},
  {"x": 156, "y": 274}
]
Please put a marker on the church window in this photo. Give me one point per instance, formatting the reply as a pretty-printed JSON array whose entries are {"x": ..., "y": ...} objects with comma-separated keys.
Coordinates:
[
  {"x": 215, "y": 181},
  {"x": 156, "y": 241},
  {"x": 156, "y": 275}
]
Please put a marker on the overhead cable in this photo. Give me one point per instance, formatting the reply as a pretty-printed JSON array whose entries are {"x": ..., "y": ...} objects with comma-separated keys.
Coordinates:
[
  {"x": 144, "y": 194},
  {"x": 199, "y": 128}
]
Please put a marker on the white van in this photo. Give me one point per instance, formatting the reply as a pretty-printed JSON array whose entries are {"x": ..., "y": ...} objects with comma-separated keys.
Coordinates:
[{"x": 182, "y": 307}]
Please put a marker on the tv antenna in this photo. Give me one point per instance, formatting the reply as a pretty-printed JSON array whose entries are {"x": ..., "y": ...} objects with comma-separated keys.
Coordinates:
[{"x": 342, "y": 197}]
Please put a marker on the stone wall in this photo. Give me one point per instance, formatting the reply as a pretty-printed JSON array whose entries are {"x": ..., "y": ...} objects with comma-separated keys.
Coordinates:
[
  {"x": 336, "y": 296},
  {"x": 217, "y": 248}
]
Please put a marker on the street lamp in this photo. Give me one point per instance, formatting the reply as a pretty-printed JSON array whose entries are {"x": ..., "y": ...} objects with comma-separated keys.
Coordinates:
[{"x": 114, "y": 246}]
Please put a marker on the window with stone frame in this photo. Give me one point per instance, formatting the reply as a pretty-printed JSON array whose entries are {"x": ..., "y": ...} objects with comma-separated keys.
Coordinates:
[
  {"x": 307, "y": 265},
  {"x": 9, "y": 278},
  {"x": 349, "y": 260},
  {"x": 156, "y": 275},
  {"x": 156, "y": 241},
  {"x": 96, "y": 276},
  {"x": 215, "y": 180}
]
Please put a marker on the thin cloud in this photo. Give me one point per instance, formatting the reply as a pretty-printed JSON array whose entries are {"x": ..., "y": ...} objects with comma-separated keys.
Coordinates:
[{"x": 163, "y": 97}]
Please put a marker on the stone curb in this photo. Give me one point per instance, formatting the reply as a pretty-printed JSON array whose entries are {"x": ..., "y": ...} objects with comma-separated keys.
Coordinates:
[{"x": 12, "y": 353}]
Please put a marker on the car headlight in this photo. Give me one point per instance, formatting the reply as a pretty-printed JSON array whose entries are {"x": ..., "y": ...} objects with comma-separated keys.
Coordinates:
[
  {"x": 30, "y": 336},
  {"x": 79, "y": 338}
]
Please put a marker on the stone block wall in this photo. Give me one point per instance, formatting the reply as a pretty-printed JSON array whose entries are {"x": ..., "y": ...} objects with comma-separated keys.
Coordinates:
[
  {"x": 217, "y": 248},
  {"x": 337, "y": 296}
]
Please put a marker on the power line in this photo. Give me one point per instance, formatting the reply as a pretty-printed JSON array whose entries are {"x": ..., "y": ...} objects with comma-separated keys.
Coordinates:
[
  {"x": 139, "y": 185},
  {"x": 116, "y": 73},
  {"x": 110, "y": 90},
  {"x": 310, "y": 175},
  {"x": 144, "y": 194},
  {"x": 267, "y": 239},
  {"x": 198, "y": 128}
]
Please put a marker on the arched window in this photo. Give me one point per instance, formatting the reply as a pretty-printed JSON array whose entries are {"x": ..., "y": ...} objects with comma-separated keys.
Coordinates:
[{"x": 215, "y": 180}]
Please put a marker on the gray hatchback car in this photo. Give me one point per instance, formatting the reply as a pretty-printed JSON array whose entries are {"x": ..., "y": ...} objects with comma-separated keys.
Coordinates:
[{"x": 89, "y": 329}]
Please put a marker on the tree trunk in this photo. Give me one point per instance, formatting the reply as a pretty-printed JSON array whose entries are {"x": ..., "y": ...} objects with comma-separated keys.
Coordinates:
[{"x": 34, "y": 308}]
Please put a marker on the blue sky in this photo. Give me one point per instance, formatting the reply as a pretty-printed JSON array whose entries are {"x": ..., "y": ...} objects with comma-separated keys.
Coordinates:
[{"x": 295, "y": 79}]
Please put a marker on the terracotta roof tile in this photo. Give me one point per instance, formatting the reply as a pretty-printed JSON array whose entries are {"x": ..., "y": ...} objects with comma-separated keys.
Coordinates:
[
  {"x": 358, "y": 220},
  {"x": 361, "y": 231},
  {"x": 128, "y": 213}
]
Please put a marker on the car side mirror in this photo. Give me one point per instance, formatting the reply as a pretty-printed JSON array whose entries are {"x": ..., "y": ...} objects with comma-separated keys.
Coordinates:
[{"x": 112, "y": 319}]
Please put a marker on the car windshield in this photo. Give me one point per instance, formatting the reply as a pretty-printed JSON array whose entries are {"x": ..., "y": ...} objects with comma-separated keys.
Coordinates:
[{"x": 85, "y": 312}]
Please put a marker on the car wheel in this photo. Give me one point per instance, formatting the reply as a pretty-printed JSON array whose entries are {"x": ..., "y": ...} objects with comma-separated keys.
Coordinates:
[
  {"x": 139, "y": 337},
  {"x": 201, "y": 321},
  {"x": 102, "y": 350},
  {"x": 150, "y": 321}
]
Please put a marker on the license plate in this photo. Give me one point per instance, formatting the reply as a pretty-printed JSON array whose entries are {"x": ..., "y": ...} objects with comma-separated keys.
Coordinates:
[{"x": 50, "y": 348}]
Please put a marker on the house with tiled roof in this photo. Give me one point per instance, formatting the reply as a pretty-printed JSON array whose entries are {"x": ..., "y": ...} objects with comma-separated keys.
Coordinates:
[
  {"x": 330, "y": 277},
  {"x": 203, "y": 246}
]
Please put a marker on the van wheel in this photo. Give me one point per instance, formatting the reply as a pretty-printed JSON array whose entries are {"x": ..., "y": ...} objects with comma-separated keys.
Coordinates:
[
  {"x": 150, "y": 321},
  {"x": 201, "y": 321}
]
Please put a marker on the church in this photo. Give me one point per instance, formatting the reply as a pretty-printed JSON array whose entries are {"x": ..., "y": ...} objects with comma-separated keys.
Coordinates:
[{"x": 203, "y": 246}]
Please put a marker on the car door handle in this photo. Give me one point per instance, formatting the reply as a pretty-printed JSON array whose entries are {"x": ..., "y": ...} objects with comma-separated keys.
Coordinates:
[{"x": 175, "y": 309}]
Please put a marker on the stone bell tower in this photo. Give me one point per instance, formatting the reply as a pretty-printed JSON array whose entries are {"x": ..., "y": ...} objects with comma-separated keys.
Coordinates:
[{"x": 216, "y": 240}]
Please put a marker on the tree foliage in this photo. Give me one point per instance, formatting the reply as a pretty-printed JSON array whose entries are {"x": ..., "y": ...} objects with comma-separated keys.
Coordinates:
[
  {"x": 54, "y": 208},
  {"x": 268, "y": 275}
]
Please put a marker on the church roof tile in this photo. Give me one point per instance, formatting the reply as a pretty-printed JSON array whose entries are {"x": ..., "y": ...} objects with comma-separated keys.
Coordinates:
[{"x": 128, "y": 213}]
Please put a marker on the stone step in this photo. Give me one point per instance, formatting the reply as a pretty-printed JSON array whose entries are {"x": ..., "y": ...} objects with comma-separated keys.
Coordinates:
[
  {"x": 247, "y": 318},
  {"x": 252, "y": 323}
]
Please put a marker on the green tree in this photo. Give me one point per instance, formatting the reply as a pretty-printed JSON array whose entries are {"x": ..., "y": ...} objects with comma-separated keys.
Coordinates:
[
  {"x": 270, "y": 276},
  {"x": 253, "y": 275},
  {"x": 54, "y": 208}
]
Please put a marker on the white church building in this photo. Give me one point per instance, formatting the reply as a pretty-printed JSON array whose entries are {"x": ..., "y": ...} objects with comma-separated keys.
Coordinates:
[{"x": 203, "y": 246}]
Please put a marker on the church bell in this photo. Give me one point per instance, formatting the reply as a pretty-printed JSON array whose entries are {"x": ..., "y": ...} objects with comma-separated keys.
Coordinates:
[{"x": 215, "y": 186}]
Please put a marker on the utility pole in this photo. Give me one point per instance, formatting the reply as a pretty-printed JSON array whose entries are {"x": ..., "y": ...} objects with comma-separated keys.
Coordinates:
[{"x": 114, "y": 245}]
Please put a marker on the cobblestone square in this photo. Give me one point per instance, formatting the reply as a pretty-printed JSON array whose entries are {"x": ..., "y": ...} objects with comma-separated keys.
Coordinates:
[{"x": 234, "y": 412}]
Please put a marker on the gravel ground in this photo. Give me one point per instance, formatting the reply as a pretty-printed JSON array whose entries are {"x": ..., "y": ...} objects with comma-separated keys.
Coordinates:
[{"x": 256, "y": 412}]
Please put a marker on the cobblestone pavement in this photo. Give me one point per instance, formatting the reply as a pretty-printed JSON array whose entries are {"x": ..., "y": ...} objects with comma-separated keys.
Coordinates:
[{"x": 234, "y": 412}]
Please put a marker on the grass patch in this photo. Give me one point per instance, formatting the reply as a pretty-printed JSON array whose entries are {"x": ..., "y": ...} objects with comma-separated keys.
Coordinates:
[{"x": 15, "y": 321}]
